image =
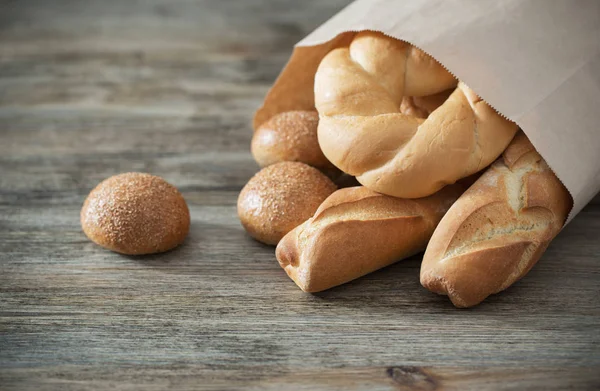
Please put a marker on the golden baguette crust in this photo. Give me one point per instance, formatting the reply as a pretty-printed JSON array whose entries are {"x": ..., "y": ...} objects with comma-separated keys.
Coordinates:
[
  {"x": 359, "y": 91},
  {"x": 356, "y": 231},
  {"x": 498, "y": 229}
]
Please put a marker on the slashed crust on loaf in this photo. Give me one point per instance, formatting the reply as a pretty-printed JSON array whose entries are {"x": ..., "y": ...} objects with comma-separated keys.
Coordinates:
[
  {"x": 498, "y": 229},
  {"x": 356, "y": 231}
]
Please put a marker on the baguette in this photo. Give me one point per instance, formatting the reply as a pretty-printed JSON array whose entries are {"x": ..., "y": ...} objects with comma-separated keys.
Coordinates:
[
  {"x": 356, "y": 231},
  {"x": 498, "y": 229}
]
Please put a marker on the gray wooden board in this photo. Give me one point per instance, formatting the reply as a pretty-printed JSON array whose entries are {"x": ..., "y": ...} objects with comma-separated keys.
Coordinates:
[{"x": 89, "y": 89}]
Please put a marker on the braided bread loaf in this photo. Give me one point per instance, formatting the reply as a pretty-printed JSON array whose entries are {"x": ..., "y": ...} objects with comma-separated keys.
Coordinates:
[
  {"x": 358, "y": 94},
  {"x": 498, "y": 229},
  {"x": 422, "y": 106}
]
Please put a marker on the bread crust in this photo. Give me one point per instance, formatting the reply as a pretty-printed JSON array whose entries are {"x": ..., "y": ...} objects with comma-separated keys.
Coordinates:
[
  {"x": 356, "y": 231},
  {"x": 498, "y": 229},
  {"x": 423, "y": 106}
]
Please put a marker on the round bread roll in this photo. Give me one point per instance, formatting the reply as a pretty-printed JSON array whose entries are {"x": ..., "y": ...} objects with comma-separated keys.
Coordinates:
[
  {"x": 279, "y": 198},
  {"x": 135, "y": 213},
  {"x": 290, "y": 136}
]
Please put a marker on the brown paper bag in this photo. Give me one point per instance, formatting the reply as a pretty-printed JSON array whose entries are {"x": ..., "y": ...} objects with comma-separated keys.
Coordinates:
[{"x": 535, "y": 61}]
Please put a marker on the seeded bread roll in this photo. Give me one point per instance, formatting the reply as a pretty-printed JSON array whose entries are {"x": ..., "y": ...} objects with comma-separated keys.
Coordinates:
[
  {"x": 498, "y": 229},
  {"x": 280, "y": 197},
  {"x": 135, "y": 213},
  {"x": 290, "y": 136},
  {"x": 356, "y": 231}
]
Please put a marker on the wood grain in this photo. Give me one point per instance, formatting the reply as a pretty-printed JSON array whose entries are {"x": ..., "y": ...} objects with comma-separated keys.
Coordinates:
[{"x": 90, "y": 89}]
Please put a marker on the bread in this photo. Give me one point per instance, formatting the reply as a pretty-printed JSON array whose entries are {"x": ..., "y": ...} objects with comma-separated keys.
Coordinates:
[
  {"x": 498, "y": 229},
  {"x": 290, "y": 136},
  {"x": 356, "y": 231},
  {"x": 280, "y": 197},
  {"x": 422, "y": 106},
  {"x": 135, "y": 213},
  {"x": 358, "y": 93}
]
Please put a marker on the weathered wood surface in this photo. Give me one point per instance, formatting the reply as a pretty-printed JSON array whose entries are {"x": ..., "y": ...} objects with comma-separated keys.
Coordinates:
[{"x": 93, "y": 88}]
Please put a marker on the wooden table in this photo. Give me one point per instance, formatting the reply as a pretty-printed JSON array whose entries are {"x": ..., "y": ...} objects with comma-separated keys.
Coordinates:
[{"x": 89, "y": 89}]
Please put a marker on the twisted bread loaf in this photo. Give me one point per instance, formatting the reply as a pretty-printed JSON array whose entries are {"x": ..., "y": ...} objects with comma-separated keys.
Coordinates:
[
  {"x": 498, "y": 229},
  {"x": 358, "y": 93},
  {"x": 422, "y": 106},
  {"x": 356, "y": 231}
]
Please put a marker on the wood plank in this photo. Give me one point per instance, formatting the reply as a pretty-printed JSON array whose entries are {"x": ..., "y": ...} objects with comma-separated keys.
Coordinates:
[{"x": 403, "y": 378}]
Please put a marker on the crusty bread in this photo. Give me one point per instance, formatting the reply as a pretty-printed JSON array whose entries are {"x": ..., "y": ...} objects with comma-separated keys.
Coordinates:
[
  {"x": 135, "y": 213},
  {"x": 358, "y": 93},
  {"x": 280, "y": 197},
  {"x": 498, "y": 229},
  {"x": 356, "y": 231},
  {"x": 290, "y": 136}
]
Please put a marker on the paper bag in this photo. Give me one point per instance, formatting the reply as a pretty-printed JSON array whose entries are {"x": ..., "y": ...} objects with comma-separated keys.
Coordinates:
[{"x": 536, "y": 62}]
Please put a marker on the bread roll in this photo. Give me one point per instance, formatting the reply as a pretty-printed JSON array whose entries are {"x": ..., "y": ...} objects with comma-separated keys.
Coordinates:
[
  {"x": 135, "y": 213},
  {"x": 290, "y": 136},
  {"x": 280, "y": 197},
  {"x": 498, "y": 229},
  {"x": 358, "y": 94},
  {"x": 356, "y": 231}
]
